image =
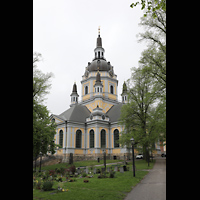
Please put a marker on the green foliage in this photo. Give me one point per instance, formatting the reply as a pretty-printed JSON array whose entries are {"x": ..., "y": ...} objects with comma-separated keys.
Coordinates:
[
  {"x": 144, "y": 117},
  {"x": 151, "y": 6},
  {"x": 43, "y": 128},
  {"x": 47, "y": 185}
]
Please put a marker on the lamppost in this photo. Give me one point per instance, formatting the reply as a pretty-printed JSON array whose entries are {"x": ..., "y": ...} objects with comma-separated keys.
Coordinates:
[{"x": 132, "y": 142}]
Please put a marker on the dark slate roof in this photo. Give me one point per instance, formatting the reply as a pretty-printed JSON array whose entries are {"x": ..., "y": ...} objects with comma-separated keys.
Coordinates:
[
  {"x": 76, "y": 113},
  {"x": 99, "y": 64},
  {"x": 115, "y": 112}
]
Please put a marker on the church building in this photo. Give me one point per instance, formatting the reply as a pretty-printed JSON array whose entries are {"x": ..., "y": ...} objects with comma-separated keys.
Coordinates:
[{"x": 91, "y": 125}]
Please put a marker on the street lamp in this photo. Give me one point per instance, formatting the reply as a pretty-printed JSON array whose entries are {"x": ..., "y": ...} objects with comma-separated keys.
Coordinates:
[{"x": 132, "y": 142}]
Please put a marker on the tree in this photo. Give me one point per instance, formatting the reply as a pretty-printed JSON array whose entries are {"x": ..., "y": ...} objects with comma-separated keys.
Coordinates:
[
  {"x": 151, "y": 6},
  {"x": 139, "y": 116},
  {"x": 43, "y": 128}
]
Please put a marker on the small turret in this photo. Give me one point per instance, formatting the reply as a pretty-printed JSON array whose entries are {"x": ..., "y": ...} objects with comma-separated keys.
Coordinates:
[
  {"x": 124, "y": 93},
  {"x": 98, "y": 85},
  {"x": 74, "y": 95}
]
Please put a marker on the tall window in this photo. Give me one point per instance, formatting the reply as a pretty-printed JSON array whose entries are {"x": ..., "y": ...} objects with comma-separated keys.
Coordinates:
[
  {"x": 116, "y": 138},
  {"x": 78, "y": 138},
  {"x": 103, "y": 138},
  {"x": 86, "y": 89},
  {"x": 98, "y": 54},
  {"x": 61, "y": 138},
  {"x": 111, "y": 89},
  {"x": 91, "y": 138}
]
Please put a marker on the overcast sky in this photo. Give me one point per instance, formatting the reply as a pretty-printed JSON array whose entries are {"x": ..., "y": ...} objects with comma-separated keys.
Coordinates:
[{"x": 65, "y": 33}]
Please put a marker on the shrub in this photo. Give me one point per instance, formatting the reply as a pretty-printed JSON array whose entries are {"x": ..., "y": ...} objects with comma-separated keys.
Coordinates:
[
  {"x": 112, "y": 174},
  {"x": 84, "y": 174},
  {"x": 38, "y": 185},
  {"x": 52, "y": 172},
  {"x": 47, "y": 185},
  {"x": 72, "y": 169}
]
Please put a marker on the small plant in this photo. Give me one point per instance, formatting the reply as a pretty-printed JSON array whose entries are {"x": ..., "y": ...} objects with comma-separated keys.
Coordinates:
[
  {"x": 52, "y": 172},
  {"x": 47, "y": 185},
  {"x": 112, "y": 174},
  {"x": 72, "y": 169},
  {"x": 38, "y": 185},
  {"x": 84, "y": 174}
]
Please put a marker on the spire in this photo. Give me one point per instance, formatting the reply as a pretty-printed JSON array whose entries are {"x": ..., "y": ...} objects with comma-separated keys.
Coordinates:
[
  {"x": 124, "y": 90},
  {"x": 99, "y": 42},
  {"x": 74, "y": 95},
  {"x": 124, "y": 93},
  {"x": 74, "y": 88}
]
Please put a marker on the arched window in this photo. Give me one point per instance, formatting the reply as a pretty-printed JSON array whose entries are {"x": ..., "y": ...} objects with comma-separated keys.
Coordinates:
[
  {"x": 61, "y": 138},
  {"x": 111, "y": 89},
  {"x": 91, "y": 138},
  {"x": 78, "y": 138},
  {"x": 86, "y": 89},
  {"x": 103, "y": 138},
  {"x": 116, "y": 138},
  {"x": 98, "y": 54}
]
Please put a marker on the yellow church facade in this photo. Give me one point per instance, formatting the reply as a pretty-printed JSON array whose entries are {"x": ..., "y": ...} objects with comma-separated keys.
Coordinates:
[{"x": 91, "y": 126}]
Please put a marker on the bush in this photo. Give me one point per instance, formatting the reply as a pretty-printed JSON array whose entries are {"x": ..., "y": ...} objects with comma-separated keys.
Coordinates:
[
  {"x": 84, "y": 174},
  {"x": 47, "y": 185},
  {"x": 38, "y": 185},
  {"x": 72, "y": 169},
  {"x": 112, "y": 174}
]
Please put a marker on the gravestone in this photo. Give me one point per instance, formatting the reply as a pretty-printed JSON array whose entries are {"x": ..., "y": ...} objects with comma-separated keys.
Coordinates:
[
  {"x": 94, "y": 170},
  {"x": 116, "y": 169},
  {"x": 108, "y": 169},
  {"x": 78, "y": 170},
  {"x": 71, "y": 158},
  {"x": 121, "y": 169},
  {"x": 102, "y": 170},
  {"x": 86, "y": 171},
  {"x": 124, "y": 168}
]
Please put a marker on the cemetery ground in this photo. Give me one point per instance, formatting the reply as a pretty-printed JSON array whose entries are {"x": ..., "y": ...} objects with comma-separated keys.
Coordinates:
[{"x": 68, "y": 182}]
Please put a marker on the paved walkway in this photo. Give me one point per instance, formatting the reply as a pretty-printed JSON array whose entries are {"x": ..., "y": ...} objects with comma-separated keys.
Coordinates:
[{"x": 153, "y": 186}]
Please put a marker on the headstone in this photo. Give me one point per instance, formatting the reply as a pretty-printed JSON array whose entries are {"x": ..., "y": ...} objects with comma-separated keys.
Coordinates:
[
  {"x": 121, "y": 169},
  {"x": 124, "y": 168},
  {"x": 116, "y": 169},
  {"x": 86, "y": 171},
  {"x": 71, "y": 158},
  {"x": 108, "y": 169},
  {"x": 78, "y": 170},
  {"x": 102, "y": 170},
  {"x": 94, "y": 170}
]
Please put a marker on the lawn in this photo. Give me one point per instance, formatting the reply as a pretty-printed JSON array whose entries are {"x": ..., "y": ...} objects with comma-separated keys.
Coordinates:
[{"x": 97, "y": 188}]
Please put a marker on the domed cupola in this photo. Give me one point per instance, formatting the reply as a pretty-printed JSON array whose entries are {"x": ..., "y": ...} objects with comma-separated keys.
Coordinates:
[{"x": 99, "y": 62}]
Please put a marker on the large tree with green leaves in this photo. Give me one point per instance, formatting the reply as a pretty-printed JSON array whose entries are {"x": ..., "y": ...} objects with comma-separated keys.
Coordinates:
[
  {"x": 144, "y": 117},
  {"x": 139, "y": 116},
  {"x": 43, "y": 128}
]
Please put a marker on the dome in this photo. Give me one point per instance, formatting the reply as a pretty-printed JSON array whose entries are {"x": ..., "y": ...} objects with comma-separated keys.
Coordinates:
[{"x": 99, "y": 63}]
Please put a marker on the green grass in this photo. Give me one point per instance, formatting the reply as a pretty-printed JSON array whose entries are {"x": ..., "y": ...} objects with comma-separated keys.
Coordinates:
[{"x": 106, "y": 188}]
